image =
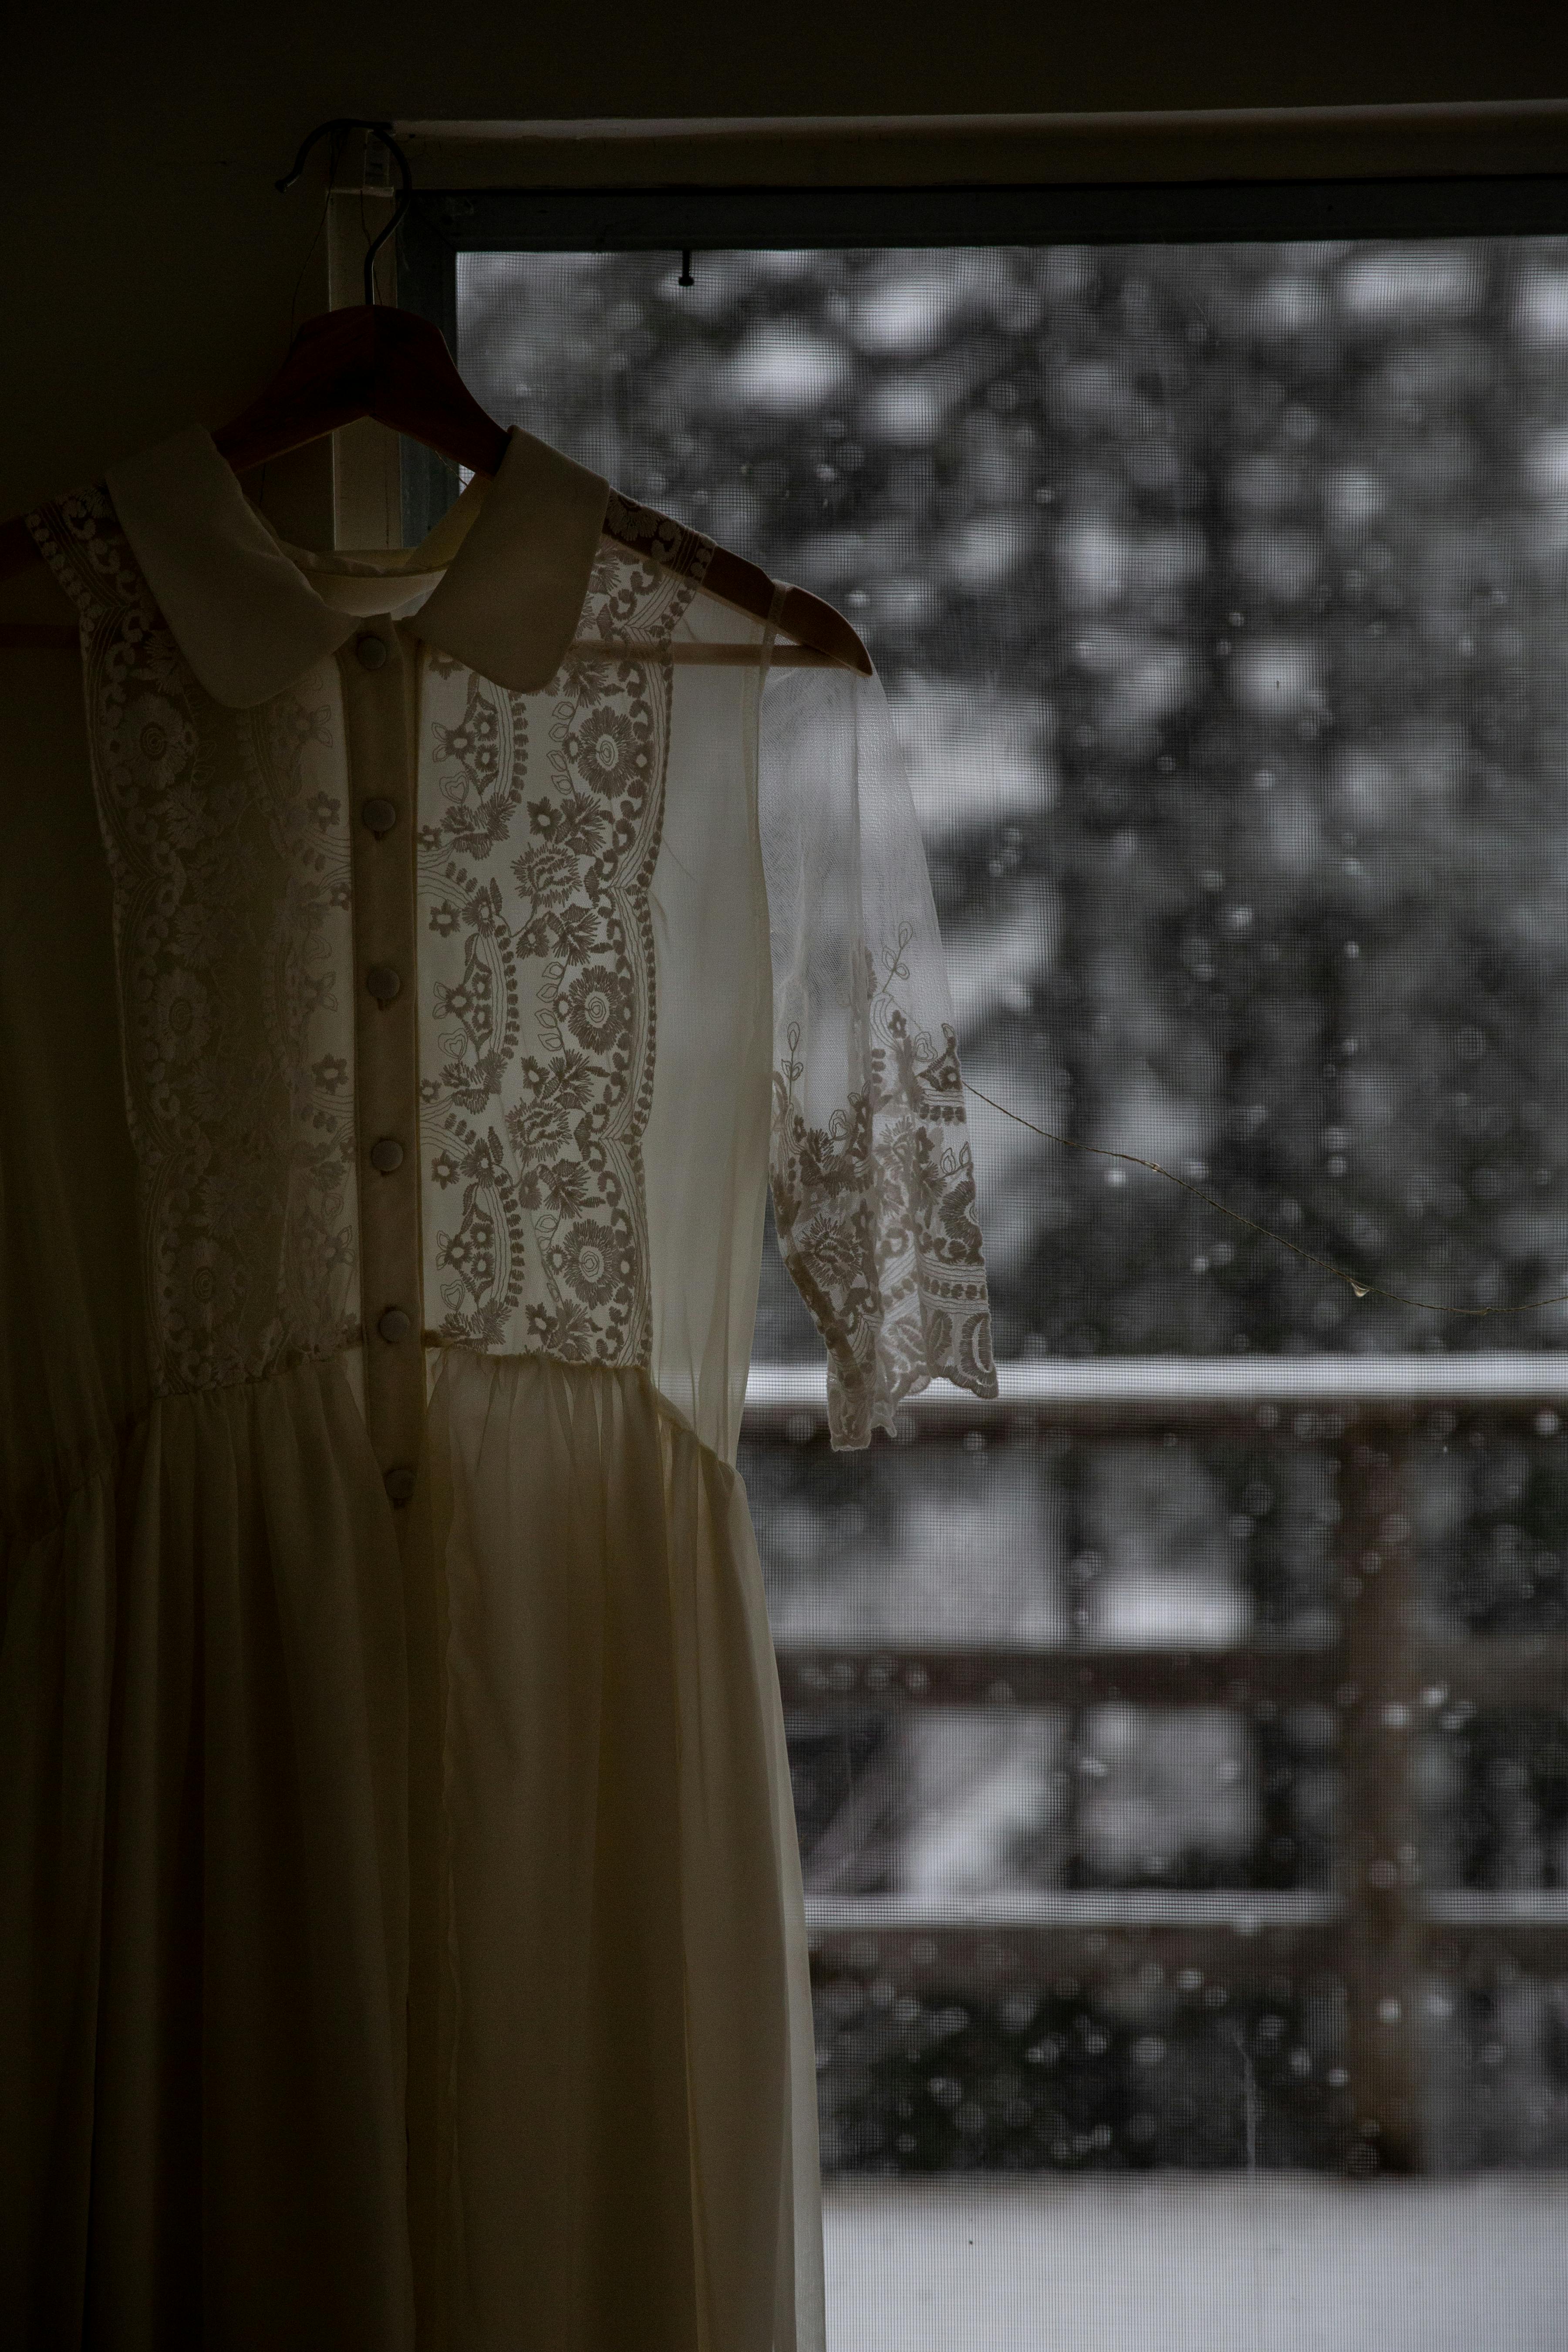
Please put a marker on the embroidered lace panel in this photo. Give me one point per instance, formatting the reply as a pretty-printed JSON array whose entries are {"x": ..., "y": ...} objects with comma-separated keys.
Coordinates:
[
  {"x": 876, "y": 1215},
  {"x": 675, "y": 545},
  {"x": 542, "y": 817},
  {"x": 228, "y": 854},
  {"x": 227, "y": 838}
]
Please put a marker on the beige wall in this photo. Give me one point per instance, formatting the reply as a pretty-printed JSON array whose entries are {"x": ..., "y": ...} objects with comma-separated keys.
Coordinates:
[{"x": 147, "y": 270}]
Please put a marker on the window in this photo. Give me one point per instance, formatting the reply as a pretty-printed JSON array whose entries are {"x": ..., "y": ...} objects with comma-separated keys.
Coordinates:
[{"x": 1181, "y": 1763}]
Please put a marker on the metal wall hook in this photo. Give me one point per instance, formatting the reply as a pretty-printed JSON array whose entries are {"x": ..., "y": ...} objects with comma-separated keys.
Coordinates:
[
  {"x": 686, "y": 278},
  {"x": 381, "y": 131}
]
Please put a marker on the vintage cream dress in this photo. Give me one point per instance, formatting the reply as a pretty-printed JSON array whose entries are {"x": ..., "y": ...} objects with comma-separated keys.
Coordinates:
[{"x": 411, "y": 969}]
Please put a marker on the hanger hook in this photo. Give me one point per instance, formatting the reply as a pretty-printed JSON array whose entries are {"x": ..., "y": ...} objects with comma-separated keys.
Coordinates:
[{"x": 381, "y": 131}]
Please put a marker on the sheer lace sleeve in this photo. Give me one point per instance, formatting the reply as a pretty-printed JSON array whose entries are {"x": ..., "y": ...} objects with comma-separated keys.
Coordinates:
[{"x": 872, "y": 1180}]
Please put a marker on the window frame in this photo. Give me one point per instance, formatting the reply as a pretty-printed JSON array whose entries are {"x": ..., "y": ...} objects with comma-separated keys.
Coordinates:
[
  {"x": 443, "y": 223},
  {"x": 1374, "y": 1936}
]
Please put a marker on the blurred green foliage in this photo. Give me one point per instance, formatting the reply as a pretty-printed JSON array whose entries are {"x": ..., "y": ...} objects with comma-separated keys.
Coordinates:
[{"x": 1220, "y": 592}]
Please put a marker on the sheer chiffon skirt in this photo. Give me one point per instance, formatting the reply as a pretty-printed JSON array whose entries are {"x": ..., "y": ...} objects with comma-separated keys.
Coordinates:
[
  {"x": 629, "y": 2044},
  {"x": 205, "y": 1891}
]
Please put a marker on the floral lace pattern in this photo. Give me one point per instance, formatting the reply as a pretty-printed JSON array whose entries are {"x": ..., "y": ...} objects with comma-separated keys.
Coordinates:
[
  {"x": 228, "y": 857},
  {"x": 876, "y": 1215},
  {"x": 542, "y": 816},
  {"x": 675, "y": 545},
  {"x": 542, "y": 819}
]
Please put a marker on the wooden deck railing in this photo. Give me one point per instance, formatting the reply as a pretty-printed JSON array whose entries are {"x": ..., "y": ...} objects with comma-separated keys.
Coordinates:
[{"x": 1380, "y": 1934}]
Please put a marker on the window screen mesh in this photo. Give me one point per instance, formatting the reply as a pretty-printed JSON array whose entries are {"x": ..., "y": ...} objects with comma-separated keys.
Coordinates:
[{"x": 1182, "y": 1794}]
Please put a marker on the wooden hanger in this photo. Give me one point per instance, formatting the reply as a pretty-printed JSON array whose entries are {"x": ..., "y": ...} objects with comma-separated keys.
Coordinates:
[
  {"x": 393, "y": 365},
  {"x": 372, "y": 361}
]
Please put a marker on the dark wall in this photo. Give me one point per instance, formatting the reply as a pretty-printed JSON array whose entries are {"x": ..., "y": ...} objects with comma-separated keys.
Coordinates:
[{"x": 148, "y": 270}]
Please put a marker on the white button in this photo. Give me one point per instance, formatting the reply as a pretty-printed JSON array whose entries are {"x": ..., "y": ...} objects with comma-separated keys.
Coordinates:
[
  {"x": 386, "y": 1153},
  {"x": 378, "y": 814},
  {"x": 382, "y": 982},
  {"x": 394, "y": 1326},
  {"x": 400, "y": 1485},
  {"x": 371, "y": 652}
]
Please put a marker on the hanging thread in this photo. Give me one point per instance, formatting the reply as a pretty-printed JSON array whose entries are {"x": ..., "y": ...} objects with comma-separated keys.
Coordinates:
[{"x": 1362, "y": 1289}]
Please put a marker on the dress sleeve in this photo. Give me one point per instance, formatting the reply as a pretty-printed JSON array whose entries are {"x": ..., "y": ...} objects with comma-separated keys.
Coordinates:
[{"x": 873, "y": 1183}]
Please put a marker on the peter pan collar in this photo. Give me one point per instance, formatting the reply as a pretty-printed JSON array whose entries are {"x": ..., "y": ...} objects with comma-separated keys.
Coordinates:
[{"x": 503, "y": 577}]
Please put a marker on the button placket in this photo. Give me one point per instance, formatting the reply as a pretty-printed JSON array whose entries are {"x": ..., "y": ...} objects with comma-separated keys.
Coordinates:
[{"x": 378, "y": 679}]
